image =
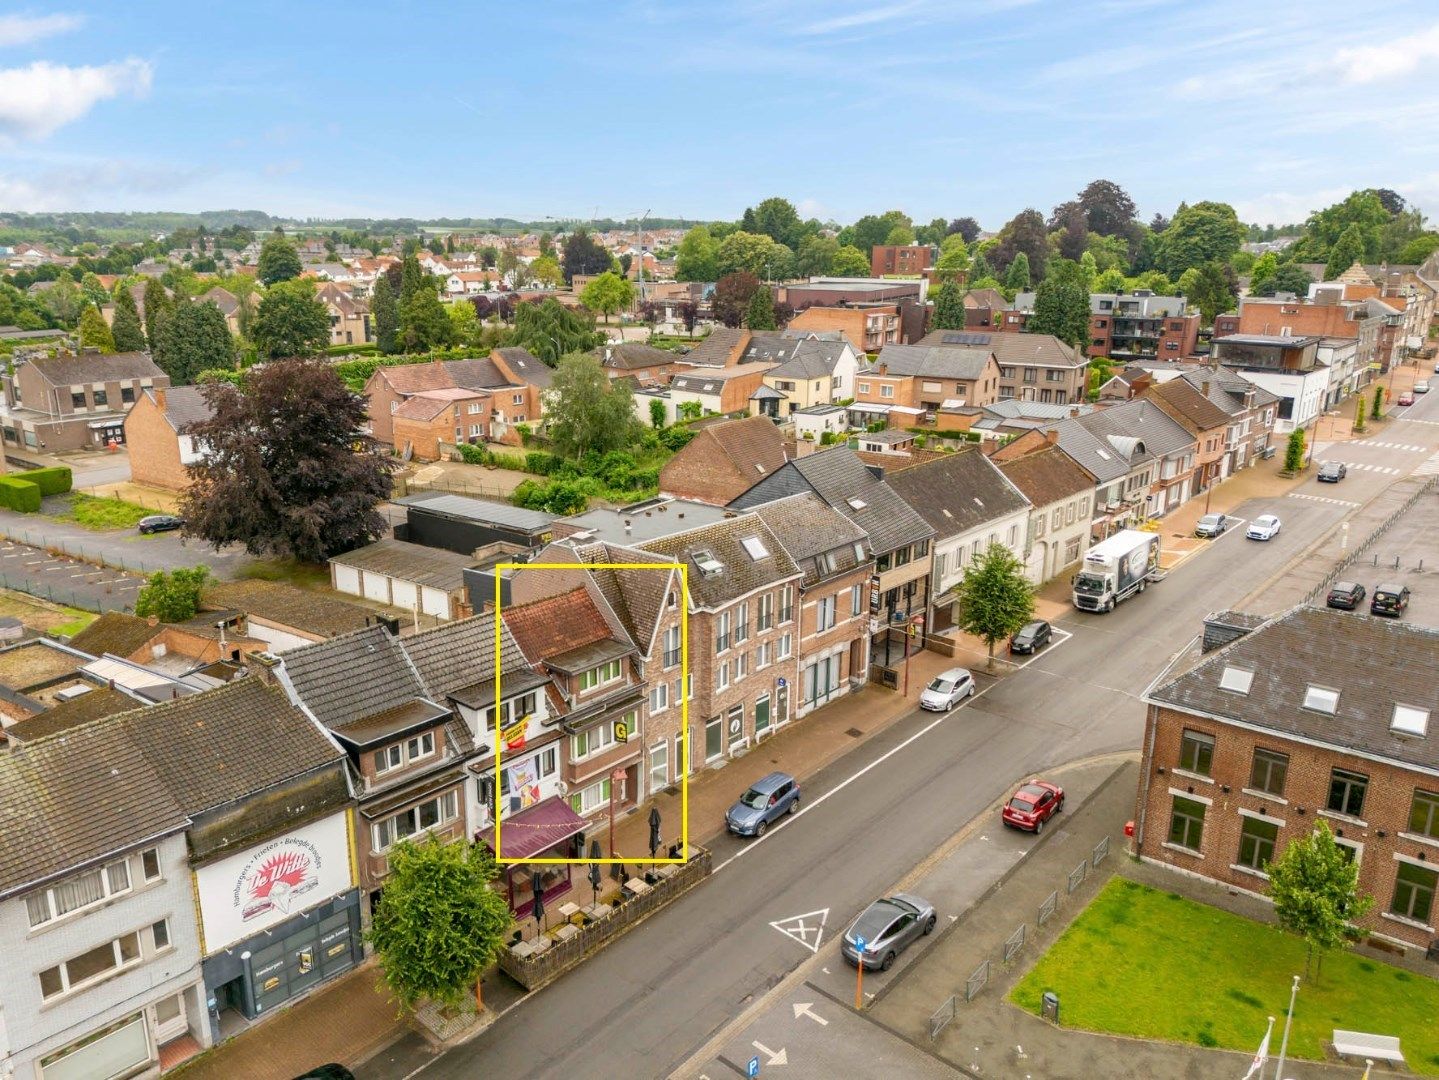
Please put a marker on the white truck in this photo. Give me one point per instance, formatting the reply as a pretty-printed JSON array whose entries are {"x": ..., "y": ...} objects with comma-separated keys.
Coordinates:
[{"x": 1115, "y": 569}]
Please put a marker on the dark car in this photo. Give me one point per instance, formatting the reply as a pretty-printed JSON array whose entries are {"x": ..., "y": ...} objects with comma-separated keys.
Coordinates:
[
  {"x": 770, "y": 798},
  {"x": 159, "y": 523},
  {"x": 1211, "y": 525},
  {"x": 1031, "y": 637},
  {"x": 1389, "y": 600},
  {"x": 331, "y": 1071},
  {"x": 886, "y": 927},
  {"x": 1331, "y": 472},
  {"x": 1032, "y": 805},
  {"x": 1345, "y": 595}
]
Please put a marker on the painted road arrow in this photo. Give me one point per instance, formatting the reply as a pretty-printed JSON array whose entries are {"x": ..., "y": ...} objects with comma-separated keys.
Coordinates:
[
  {"x": 806, "y": 1008},
  {"x": 776, "y": 1057}
]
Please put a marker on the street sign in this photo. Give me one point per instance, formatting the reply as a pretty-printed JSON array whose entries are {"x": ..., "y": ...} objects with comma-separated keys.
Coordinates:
[
  {"x": 752, "y": 1069},
  {"x": 622, "y": 731},
  {"x": 859, "y": 945}
]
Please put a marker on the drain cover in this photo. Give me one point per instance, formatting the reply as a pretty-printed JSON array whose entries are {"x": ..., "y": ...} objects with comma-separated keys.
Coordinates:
[{"x": 854, "y": 733}]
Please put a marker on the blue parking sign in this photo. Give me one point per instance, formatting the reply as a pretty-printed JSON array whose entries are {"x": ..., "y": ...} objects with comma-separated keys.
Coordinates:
[{"x": 752, "y": 1069}]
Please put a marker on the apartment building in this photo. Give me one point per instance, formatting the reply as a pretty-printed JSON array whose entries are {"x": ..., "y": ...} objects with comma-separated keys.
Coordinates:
[
  {"x": 917, "y": 381},
  {"x": 1035, "y": 367},
  {"x": 1287, "y": 366},
  {"x": 75, "y": 402},
  {"x": 868, "y": 326},
  {"x": 900, "y": 260},
  {"x": 1141, "y": 326}
]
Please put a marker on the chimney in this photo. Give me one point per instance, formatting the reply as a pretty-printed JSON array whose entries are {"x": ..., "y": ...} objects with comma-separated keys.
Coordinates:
[
  {"x": 882, "y": 369},
  {"x": 160, "y": 397},
  {"x": 1051, "y": 436},
  {"x": 1204, "y": 388},
  {"x": 1073, "y": 411}
]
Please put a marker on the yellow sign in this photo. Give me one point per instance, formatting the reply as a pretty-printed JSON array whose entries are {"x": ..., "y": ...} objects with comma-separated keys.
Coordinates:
[
  {"x": 514, "y": 735},
  {"x": 622, "y": 731}
]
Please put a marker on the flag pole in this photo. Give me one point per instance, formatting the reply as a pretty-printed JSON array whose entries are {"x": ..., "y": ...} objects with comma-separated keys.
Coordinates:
[
  {"x": 1288, "y": 1019},
  {"x": 1261, "y": 1056}
]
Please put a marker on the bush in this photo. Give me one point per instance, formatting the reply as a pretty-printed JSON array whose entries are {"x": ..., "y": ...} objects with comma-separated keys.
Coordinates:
[
  {"x": 18, "y": 494},
  {"x": 541, "y": 462},
  {"x": 473, "y": 455},
  {"x": 828, "y": 438},
  {"x": 676, "y": 438},
  {"x": 55, "y": 480},
  {"x": 556, "y": 497}
]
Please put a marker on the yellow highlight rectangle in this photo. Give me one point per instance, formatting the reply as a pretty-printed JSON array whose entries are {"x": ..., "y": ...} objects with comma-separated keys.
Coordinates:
[{"x": 684, "y": 709}]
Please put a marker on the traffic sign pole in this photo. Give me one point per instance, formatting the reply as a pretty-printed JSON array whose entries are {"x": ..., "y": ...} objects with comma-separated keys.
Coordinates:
[{"x": 859, "y": 976}]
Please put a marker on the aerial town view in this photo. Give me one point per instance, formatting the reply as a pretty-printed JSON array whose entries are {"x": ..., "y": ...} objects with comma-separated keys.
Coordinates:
[{"x": 906, "y": 548}]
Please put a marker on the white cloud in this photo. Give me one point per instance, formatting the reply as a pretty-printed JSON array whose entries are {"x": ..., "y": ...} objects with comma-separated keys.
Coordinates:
[
  {"x": 863, "y": 17},
  {"x": 23, "y": 29},
  {"x": 42, "y": 97},
  {"x": 1287, "y": 207},
  {"x": 81, "y": 183},
  {"x": 1396, "y": 56}
]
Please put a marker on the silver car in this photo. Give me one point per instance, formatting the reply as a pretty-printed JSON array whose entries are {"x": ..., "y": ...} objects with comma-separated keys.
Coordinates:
[
  {"x": 886, "y": 927},
  {"x": 947, "y": 690}
]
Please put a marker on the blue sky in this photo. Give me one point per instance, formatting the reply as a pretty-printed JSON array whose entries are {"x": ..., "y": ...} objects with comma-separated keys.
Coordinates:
[{"x": 939, "y": 107}]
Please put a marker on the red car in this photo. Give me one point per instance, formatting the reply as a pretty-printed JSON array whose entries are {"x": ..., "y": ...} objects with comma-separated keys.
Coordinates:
[
  {"x": 1406, "y": 398},
  {"x": 1032, "y": 805}
]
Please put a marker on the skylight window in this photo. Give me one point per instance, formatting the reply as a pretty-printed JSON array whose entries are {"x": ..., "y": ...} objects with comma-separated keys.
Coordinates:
[
  {"x": 1102, "y": 453},
  {"x": 1237, "y": 679},
  {"x": 1409, "y": 720},
  {"x": 707, "y": 563},
  {"x": 754, "y": 548},
  {"x": 856, "y": 504},
  {"x": 1321, "y": 699}
]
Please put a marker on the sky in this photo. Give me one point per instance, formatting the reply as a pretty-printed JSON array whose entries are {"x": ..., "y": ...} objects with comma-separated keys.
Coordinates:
[{"x": 942, "y": 108}]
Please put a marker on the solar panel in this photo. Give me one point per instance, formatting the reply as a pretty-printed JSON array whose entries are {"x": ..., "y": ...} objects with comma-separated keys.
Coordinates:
[{"x": 965, "y": 339}]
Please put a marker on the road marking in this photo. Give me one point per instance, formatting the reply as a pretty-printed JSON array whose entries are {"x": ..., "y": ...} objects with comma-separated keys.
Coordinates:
[
  {"x": 776, "y": 1057},
  {"x": 1429, "y": 467},
  {"x": 1320, "y": 498},
  {"x": 1364, "y": 467},
  {"x": 798, "y": 927},
  {"x": 1393, "y": 445},
  {"x": 806, "y": 1008}
]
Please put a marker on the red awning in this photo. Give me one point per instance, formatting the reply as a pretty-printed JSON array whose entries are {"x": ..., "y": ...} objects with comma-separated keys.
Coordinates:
[{"x": 534, "y": 831}]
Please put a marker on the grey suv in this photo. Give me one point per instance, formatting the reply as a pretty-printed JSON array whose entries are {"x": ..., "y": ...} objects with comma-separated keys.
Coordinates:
[
  {"x": 767, "y": 800},
  {"x": 886, "y": 927}
]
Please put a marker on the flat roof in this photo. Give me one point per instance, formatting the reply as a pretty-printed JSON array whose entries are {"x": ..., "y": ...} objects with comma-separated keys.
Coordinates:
[
  {"x": 1287, "y": 340},
  {"x": 468, "y": 509},
  {"x": 648, "y": 521}
]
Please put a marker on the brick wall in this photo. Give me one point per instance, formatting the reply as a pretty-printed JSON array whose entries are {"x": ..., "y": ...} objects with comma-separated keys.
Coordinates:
[{"x": 154, "y": 448}]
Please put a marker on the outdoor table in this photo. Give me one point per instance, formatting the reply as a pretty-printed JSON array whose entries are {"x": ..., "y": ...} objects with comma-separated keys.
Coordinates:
[
  {"x": 637, "y": 887},
  {"x": 597, "y": 911},
  {"x": 523, "y": 950},
  {"x": 566, "y": 932}
]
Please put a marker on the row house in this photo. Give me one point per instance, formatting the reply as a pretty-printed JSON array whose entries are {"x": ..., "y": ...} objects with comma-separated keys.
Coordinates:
[
  {"x": 1036, "y": 367},
  {"x": 868, "y": 327},
  {"x": 350, "y": 320},
  {"x": 513, "y": 380},
  {"x": 1251, "y": 409},
  {"x": 1290, "y": 724},
  {"x": 808, "y": 369},
  {"x": 1189, "y": 407},
  {"x": 898, "y": 540},
  {"x": 918, "y": 381},
  {"x": 75, "y": 401},
  {"x": 971, "y": 505},
  {"x": 1061, "y": 500}
]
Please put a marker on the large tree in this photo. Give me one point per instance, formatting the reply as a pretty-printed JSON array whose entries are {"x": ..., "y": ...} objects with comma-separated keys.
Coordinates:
[
  {"x": 546, "y": 270},
  {"x": 586, "y": 411},
  {"x": 994, "y": 598},
  {"x": 94, "y": 331},
  {"x": 584, "y": 255},
  {"x": 1103, "y": 207},
  {"x": 1347, "y": 250},
  {"x": 287, "y": 469},
  {"x": 194, "y": 337},
  {"x": 424, "y": 323},
  {"x": 292, "y": 321},
  {"x": 966, "y": 227},
  {"x": 1024, "y": 232},
  {"x": 608, "y": 293},
  {"x": 948, "y": 307},
  {"x": 816, "y": 255},
  {"x": 1017, "y": 276},
  {"x": 1291, "y": 278},
  {"x": 440, "y": 923},
  {"x": 279, "y": 261},
  {"x": 174, "y": 595},
  {"x": 776, "y": 218},
  {"x": 755, "y": 253},
  {"x": 1211, "y": 288},
  {"x": 385, "y": 309},
  {"x": 1061, "y": 305},
  {"x": 760, "y": 314},
  {"x": 1315, "y": 888},
  {"x": 697, "y": 257},
  {"x": 873, "y": 230},
  {"x": 849, "y": 261},
  {"x": 1363, "y": 211},
  {"x": 549, "y": 330},
  {"x": 129, "y": 334},
  {"x": 157, "y": 306},
  {"x": 1198, "y": 234},
  {"x": 732, "y": 296}
]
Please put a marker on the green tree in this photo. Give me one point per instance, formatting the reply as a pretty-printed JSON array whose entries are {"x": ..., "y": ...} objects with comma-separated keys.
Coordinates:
[
  {"x": 1208, "y": 288},
  {"x": 816, "y": 256},
  {"x": 1110, "y": 281},
  {"x": 126, "y": 329},
  {"x": 1090, "y": 269},
  {"x": 608, "y": 293},
  {"x": 1199, "y": 234},
  {"x": 1359, "y": 413},
  {"x": 292, "y": 321},
  {"x": 157, "y": 306},
  {"x": 732, "y": 295},
  {"x": 657, "y": 413},
  {"x": 586, "y": 411},
  {"x": 440, "y": 923},
  {"x": 948, "y": 307},
  {"x": 900, "y": 236},
  {"x": 279, "y": 261},
  {"x": 1292, "y": 278},
  {"x": 849, "y": 261},
  {"x": 94, "y": 332},
  {"x": 1017, "y": 276},
  {"x": 1061, "y": 307},
  {"x": 698, "y": 256},
  {"x": 760, "y": 313},
  {"x": 1261, "y": 275},
  {"x": 193, "y": 338},
  {"x": 1294, "y": 451},
  {"x": 1418, "y": 248},
  {"x": 1377, "y": 410},
  {"x": 873, "y": 229},
  {"x": 386, "y": 312},
  {"x": 584, "y": 255},
  {"x": 978, "y": 269},
  {"x": 994, "y": 598},
  {"x": 953, "y": 256},
  {"x": 424, "y": 323},
  {"x": 1315, "y": 888},
  {"x": 1347, "y": 250},
  {"x": 549, "y": 330},
  {"x": 546, "y": 270},
  {"x": 287, "y": 470},
  {"x": 1025, "y": 232},
  {"x": 412, "y": 278},
  {"x": 64, "y": 300},
  {"x": 776, "y": 218},
  {"x": 464, "y": 322},
  {"x": 756, "y": 253},
  {"x": 1362, "y": 210},
  {"x": 172, "y": 595},
  {"x": 93, "y": 290}
]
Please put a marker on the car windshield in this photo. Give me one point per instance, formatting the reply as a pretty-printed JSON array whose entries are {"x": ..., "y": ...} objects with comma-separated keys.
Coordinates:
[
  {"x": 1089, "y": 583},
  {"x": 1022, "y": 805},
  {"x": 941, "y": 686},
  {"x": 1344, "y": 588},
  {"x": 754, "y": 799},
  {"x": 1208, "y": 521}
]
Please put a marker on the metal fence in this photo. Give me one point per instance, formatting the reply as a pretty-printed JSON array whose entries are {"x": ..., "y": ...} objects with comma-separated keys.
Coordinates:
[
  {"x": 88, "y": 600},
  {"x": 109, "y": 553},
  {"x": 940, "y": 1017},
  {"x": 975, "y": 983},
  {"x": 1076, "y": 876},
  {"x": 1101, "y": 849},
  {"x": 1013, "y": 944},
  {"x": 1046, "y": 909}
]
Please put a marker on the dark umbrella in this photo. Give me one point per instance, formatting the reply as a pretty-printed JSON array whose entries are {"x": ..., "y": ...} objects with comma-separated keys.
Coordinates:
[
  {"x": 655, "y": 842},
  {"x": 595, "y": 869},
  {"x": 538, "y": 889}
]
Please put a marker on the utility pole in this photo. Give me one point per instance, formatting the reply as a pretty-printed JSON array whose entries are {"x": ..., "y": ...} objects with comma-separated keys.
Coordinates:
[{"x": 1288, "y": 1019}]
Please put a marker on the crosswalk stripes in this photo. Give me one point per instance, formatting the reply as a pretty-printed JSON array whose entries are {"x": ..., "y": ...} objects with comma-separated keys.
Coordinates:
[
  {"x": 1430, "y": 467},
  {"x": 1360, "y": 466},
  {"x": 1412, "y": 420},
  {"x": 1394, "y": 446},
  {"x": 1321, "y": 499}
]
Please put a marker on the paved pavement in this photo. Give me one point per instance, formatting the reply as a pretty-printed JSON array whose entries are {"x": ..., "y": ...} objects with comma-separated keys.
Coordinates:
[
  {"x": 66, "y": 580},
  {"x": 124, "y": 548}
]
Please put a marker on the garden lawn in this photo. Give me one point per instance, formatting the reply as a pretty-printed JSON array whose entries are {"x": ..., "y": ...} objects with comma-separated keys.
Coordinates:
[
  {"x": 1151, "y": 964},
  {"x": 104, "y": 515}
]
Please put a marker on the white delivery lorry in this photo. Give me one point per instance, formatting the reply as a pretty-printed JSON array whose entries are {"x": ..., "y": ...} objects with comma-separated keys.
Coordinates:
[{"x": 1115, "y": 569}]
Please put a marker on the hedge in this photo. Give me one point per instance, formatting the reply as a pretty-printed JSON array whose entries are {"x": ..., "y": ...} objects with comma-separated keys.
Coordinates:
[
  {"x": 18, "y": 494},
  {"x": 55, "y": 480}
]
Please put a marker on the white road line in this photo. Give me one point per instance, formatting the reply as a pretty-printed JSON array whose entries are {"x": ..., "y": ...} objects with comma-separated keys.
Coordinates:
[
  {"x": 1320, "y": 498},
  {"x": 1429, "y": 467},
  {"x": 1393, "y": 445},
  {"x": 1362, "y": 466}
]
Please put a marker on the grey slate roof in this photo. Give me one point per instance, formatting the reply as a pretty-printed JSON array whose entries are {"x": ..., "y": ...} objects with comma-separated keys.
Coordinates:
[
  {"x": 1043, "y": 350},
  {"x": 184, "y": 406},
  {"x": 1332, "y": 649},
  {"x": 958, "y": 492},
  {"x": 838, "y": 476},
  {"x": 633, "y": 356},
  {"x": 1110, "y": 442},
  {"x": 435, "y": 567},
  {"x": 811, "y": 359},
  {"x": 741, "y": 574},
  {"x": 527, "y": 366},
  {"x": 460, "y": 655},
  {"x": 1227, "y": 390},
  {"x": 65, "y": 370},
  {"x": 477, "y": 373},
  {"x": 932, "y": 361},
  {"x": 636, "y": 597},
  {"x": 714, "y": 350},
  {"x": 807, "y": 527},
  {"x": 353, "y": 675}
]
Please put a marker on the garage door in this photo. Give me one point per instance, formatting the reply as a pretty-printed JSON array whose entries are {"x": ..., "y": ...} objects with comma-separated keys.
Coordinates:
[
  {"x": 112, "y": 1053},
  {"x": 404, "y": 594},
  {"x": 436, "y": 603},
  {"x": 377, "y": 587},
  {"x": 347, "y": 580}
]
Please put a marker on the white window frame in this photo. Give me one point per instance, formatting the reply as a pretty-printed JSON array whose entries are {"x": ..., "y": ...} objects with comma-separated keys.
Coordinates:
[
  {"x": 786, "y": 647},
  {"x": 825, "y": 613},
  {"x": 67, "y": 987},
  {"x": 447, "y": 809},
  {"x": 108, "y": 891},
  {"x": 600, "y": 675},
  {"x": 659, "y": 698}
]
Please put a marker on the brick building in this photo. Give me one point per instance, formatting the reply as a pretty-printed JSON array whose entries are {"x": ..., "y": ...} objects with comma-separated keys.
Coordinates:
[
  {"x": 75, "y": 402},
  {"x": 923, "y": 379},
  {"x": 451, "y": 415},
  {"x": 900, "y": 260},
  {"x": 1035, "y": 367},
  {"x": 1290, "y": 723},
  {"x": 157, "y": 431},
  {"x": 1141, "y": 326},
  {"x": 869, "y": 327},
  {"x": 723, "y": 460}
]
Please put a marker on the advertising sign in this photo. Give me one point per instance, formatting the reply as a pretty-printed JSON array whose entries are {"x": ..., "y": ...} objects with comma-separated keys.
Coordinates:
[
  {"x": 263, "y": 885},
  {"x": 525, "y": 781}
]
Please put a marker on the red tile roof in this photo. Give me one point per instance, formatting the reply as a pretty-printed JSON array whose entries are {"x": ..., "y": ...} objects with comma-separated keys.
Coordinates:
[{"x": 556, "y": 625}]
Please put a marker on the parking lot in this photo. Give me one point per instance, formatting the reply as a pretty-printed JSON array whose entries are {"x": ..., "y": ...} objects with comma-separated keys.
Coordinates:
[
  {"x": 1407, "y": 554},
  {"x": 65, "y": 580}
]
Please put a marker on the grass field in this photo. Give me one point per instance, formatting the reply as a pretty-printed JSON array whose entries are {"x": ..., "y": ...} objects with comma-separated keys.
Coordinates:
[
  {"x": 1151, "y": 964},
  {"x": 303, "y": 574},
  {"x": 43, "y": 615},
  {"x": 103, "y": 515}
]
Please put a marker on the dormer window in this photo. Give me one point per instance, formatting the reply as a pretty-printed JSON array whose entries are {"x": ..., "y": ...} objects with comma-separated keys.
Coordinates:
[
  {"x": 599, "y": 676},
  {"x": 1236, "y": 679},
  {"x": 1409, "y": 720},
  {"x": 856, "y": 504},
  {"x": 1321, "y": 699},
  {"x": 708, "y": 565}
]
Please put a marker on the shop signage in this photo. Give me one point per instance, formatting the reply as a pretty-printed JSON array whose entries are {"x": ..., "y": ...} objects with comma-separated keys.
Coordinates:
[
  {"x": 514, "y": 735},
  {"x": 622, "y": 731},
  {"x": 525, "y": 781},
  {"x": 261, "y": 886}
]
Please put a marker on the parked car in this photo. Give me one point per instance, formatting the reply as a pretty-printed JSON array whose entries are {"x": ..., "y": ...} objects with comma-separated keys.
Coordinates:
[
  {"x": 1391, "y": 600},
  {"x": 1331, "y": 472},
  {"x": 947, "y": 690},
  {"x": 159, "y": 523},
  {"x": 1345, "y": 595},
  {"x": 1031, "y": 637},
  {"x": 886, "y": 927},
  {"x": 1406, "y": 398},
  {"x": 1211, "y": 525},
  {"x": 767, "y": 800},
  {"x": 1032, "y": 805},
  {"x": 1264, "y": 527},
  {"x": 1436, "y": 369},
  {"x": 331, "y": 1071},
  {"x": 1421, "y": 387}
]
